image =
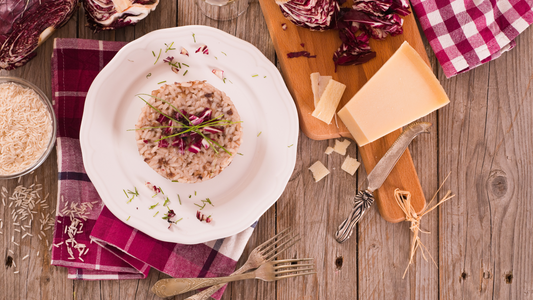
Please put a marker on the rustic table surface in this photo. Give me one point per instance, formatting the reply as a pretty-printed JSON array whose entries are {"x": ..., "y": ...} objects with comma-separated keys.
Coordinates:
[{"x": 480, "y": 240}]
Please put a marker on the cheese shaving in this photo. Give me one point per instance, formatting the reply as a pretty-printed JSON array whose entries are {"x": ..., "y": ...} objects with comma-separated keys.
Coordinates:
[
  {"x": 25, "y": 128},
  {"x": 329, "y": 100},
  {"x": 350, "y": 165},
  {"x": 329, "y": 150},
  {"x": 319, "y": 171},
  {"x": 340, "y": 147}
]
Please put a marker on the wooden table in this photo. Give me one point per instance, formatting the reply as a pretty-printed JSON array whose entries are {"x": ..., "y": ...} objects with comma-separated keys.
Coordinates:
[{"x": 480, "y": 240}]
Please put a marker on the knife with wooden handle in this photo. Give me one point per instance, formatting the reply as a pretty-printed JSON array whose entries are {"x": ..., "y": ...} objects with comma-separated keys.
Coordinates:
[{"x": 365, "y": 198}]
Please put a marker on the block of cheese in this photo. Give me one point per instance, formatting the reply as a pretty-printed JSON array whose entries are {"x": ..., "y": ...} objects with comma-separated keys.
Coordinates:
[
  {"x": 327, "y": 105},
  {"x": 402, "y": 91}
]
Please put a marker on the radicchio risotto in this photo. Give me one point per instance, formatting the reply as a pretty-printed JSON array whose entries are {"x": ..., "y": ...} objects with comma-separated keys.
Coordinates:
[{"x": 192, "y": 135}]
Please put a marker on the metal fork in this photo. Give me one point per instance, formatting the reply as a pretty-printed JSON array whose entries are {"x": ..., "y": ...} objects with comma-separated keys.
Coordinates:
[
  {"x": 263, "y": 253},
  {"x": 270, "y": 271}
]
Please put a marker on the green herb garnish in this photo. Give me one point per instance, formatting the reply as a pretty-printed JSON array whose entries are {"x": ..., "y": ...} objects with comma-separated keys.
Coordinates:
[
  {"x": 157, "y": 56},
  {"x": 216, "y": 58},
  {"x": 240, "y": 154},
  {"x": 179, "y": 198},
  {"x": 193, "y": 36},
  {"x": 185, "y": 65},
  {"x": 156, "y": 214},
  {"x": 128, "y": 218},
  {"x": 290, "y": 145},
  {"x": 153, "y": 53},
  {"x": 265, "y": 76},
  {"x": 200, "y": 206},
  {"x": 255, "y": 75},
  {"x": 259, "y": 133},
  {"x": 224, "y": 80},
  {"x": 175, "y": 222},
  {"x": 162, "y": 82},
  {"x": 132, "y": 193},
  {"x": 166, "y": 201},
  {"x": 175, "y": 181},
  {"x": 189, "y": 196},
  {"x": 149, "y": 74},
  {"x": 195, "y": 193},
  {"x": 185, "y": 72},
  {"x": 169, "y": 47},
  {"x": 153, "y": 206},
  {"x": 223, "y": 53}
]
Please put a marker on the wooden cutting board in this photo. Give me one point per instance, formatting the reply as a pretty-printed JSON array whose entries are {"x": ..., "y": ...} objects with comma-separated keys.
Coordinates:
[{"x": 296, "y": 72}]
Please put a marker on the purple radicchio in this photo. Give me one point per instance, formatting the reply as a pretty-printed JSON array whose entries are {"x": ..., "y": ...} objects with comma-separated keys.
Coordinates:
[
  {"x": 113, "y": 14},
  {"x": 317, "y": 15},
  {"x": 27, "y": 24}
]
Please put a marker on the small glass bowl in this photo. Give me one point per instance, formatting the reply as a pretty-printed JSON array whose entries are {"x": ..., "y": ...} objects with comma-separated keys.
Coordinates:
[{"x": 49, "y": 108}]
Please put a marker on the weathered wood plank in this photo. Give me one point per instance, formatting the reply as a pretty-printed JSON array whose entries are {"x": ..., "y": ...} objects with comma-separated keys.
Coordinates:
[{"x": 485, "y": 142}]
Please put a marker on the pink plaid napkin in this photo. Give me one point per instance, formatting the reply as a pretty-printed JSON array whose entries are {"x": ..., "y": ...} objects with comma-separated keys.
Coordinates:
[
  {"x": 467, "y": 33},
  {"x": 88, "y": 239}
]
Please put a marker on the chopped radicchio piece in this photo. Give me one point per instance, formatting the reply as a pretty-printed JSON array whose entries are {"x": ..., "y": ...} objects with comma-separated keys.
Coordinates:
[
  {"x": 219, "y": 73},
  {"x": 284, "y": 26},
  {"x": 152, "y": 187},
  {"x": 175, "y": 70},
  {"x": 169, "y": 59},
  {"x": 200, "y": 216},
  {"x": 112, "y": 14},
  {"x": 301, "y": 53},
  {"x": 210, "y": 129},
  {"x": 205, "y": 143},
  {"x": 163, "y": 144},
  {"x": 162, "y": 118},
  {"x": 202, "y": 49},
  {"x": 195, "y": 145},
  {"x": 27, "y": 24},
  {"x": 184, "y": 51}
]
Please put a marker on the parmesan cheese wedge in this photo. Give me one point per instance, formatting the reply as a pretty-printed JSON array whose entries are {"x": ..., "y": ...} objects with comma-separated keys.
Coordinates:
[
  {"x": 350, "y": 165},
  {"x": 329, "y": 150},
  {"x": 318, "y": 85},
  {"x": 319, "y": 171},
  {"x": 327, "y": 105},
  {"x": 340, "y": 147}
]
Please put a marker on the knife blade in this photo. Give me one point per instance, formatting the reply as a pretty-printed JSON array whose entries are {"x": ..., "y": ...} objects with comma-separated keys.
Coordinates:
[{"x": 364, "y": 198}]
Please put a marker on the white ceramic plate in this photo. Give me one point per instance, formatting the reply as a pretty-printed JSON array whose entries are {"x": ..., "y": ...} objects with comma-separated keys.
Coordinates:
[{"x": 245, "y": 189}]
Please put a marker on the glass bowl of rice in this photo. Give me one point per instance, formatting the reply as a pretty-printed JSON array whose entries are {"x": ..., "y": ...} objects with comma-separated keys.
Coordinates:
[{"x": 28, "y": 127}]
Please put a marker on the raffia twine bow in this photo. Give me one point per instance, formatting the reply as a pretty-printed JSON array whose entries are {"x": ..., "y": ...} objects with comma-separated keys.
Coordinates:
[{"x": 403, "y": 198}]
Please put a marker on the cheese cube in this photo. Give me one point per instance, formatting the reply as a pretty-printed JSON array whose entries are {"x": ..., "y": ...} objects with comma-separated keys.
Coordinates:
[
  {"x": 402, "y": 91},
  {"x": 340, "y": 147},
  {"x": 327, "y": 106},
  {"x": 350, "y": 165},
  {"x": 319, "y": 171}
]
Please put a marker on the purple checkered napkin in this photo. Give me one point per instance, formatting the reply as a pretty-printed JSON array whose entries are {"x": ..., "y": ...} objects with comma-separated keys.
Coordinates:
[
  {"x": 467, "y": 33},
  {"x": 88, "y": 239}
]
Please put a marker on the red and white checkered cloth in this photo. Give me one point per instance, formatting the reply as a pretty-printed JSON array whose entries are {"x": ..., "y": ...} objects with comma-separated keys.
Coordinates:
[
  {"x": 467, "y": 33},
  {"x": 107, "y": 248}
]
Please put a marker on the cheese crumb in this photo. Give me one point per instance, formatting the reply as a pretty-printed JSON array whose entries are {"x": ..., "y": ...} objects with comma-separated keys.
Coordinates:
[
  {"x": 340, "y": 147},
  {"x": 350, "y": 165},
  {"x": 327, "y": 105},
  {"x": 329, "y": 150},
  {"x": 319, "y": 171}
]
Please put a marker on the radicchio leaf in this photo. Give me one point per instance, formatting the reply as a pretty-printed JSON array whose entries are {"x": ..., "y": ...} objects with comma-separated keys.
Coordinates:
[
  {"x": 112, "y": 14},
  {"x": 25, "y": 25},
  {"x": 317, "y": 15}
]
